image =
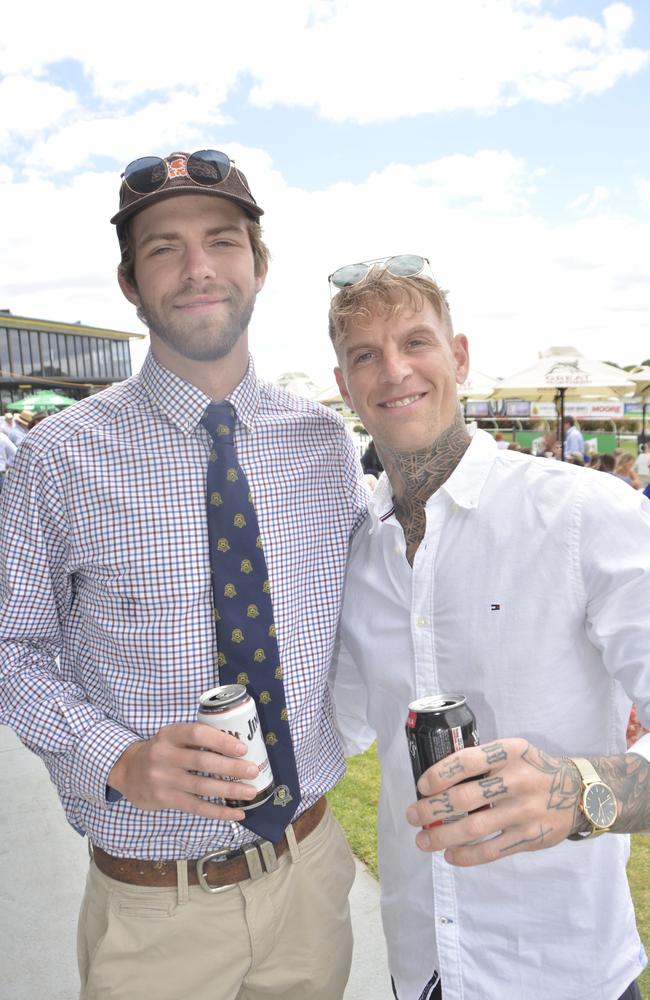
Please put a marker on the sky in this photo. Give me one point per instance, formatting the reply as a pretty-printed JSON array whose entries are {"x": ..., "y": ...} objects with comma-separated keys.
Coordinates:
[{"x": 507, "y": 141}]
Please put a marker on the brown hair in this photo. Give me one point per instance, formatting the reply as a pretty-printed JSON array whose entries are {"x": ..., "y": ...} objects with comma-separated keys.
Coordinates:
[
  {"x": 624, "y": 459},
  {"x": 381, "y": 293},
  {"x": 126, "y": 267}
]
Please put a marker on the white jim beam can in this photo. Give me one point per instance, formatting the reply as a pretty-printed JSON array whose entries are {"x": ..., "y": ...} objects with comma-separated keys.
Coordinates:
[{"x": 231, "y": 709}]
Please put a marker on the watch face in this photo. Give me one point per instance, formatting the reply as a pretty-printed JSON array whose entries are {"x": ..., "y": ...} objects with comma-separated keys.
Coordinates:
[{"x": 600, "y": 805}]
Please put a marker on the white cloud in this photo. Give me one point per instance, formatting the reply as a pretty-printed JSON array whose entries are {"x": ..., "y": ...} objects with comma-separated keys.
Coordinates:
[
  {"x": 156, "y": 128},
  {"x": 643, "y": 188},
  {"x": 350, "y": 60},
  {"x": 27, "y": 105},
  {"x": 367, "y": 62},
  {"x": 589, "y": 201}
]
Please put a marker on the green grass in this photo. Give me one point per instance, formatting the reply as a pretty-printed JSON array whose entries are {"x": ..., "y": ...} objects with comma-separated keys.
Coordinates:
[{"x": 354, "y": 803}]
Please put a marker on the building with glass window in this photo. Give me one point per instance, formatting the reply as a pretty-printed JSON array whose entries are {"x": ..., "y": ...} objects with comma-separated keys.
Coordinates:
[{"x": 69, "y": 357}]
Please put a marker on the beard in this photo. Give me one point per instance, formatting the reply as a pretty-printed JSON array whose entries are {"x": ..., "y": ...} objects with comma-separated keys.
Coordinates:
[{"x": 202, "y": 338}]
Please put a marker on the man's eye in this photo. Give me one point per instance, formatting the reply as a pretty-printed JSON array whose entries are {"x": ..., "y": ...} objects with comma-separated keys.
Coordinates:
[
  {"x": 361, "y": 358},
  {"x": 159, "y": 251}
]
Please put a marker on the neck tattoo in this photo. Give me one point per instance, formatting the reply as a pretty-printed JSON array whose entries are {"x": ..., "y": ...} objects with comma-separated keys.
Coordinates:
[{"x": 416, "y": 475}]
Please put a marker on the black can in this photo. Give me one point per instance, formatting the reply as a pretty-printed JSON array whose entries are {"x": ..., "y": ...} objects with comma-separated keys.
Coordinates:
[{"x": 436, "y": 727}]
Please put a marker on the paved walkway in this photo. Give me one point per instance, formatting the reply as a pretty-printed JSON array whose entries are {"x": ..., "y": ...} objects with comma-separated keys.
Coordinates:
[{"x": 42, "y": 872}]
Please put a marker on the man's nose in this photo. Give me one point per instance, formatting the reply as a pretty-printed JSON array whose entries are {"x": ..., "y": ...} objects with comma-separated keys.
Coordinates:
[
  {"x": 198, "y": 264},
  {"x": 395, "y": 367}
]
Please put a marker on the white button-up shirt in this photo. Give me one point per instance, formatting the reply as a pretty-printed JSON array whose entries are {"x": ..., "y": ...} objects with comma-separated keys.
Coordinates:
[{"x": 529, "y": 594}]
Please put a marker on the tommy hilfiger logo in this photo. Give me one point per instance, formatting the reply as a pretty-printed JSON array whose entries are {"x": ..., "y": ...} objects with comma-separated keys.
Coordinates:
[{"x": 495, "y": 607}]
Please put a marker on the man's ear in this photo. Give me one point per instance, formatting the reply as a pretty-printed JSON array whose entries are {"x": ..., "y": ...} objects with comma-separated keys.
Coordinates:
[
  {"x": 129, "y": 291},
  {"x": 260, "y": 277},
  {"x": 460, "y": 349},
  {"x": 343, "y": 389}
]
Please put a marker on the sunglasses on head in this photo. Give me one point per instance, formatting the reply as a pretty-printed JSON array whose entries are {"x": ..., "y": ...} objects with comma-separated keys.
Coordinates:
[
  {"x": 207, "y": 167},
  {"x": 406, "y": 265}
]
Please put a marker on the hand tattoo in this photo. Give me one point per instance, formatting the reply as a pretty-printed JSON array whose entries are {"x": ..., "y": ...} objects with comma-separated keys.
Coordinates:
[{"x": 537, "y": 839}]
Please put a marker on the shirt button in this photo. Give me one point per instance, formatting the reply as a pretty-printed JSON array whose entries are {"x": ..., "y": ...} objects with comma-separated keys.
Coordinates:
[
  {"x": 421, "y": 622},
  {"x": 446, "y": 920}
]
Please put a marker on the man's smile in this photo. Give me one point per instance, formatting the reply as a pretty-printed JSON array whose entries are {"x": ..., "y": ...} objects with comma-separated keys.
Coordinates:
[{"x": 404, "y": 401}]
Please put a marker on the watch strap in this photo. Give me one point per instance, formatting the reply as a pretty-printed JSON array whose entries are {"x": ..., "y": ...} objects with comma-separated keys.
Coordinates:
[{"x": 588, "y": 772}]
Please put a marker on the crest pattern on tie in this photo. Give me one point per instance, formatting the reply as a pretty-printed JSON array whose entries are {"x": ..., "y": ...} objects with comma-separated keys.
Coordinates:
[{"x": 243, "y": 616}]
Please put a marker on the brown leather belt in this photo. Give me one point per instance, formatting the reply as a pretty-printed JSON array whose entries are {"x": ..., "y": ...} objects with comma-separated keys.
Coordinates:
[{"x": 214, "y": 871}]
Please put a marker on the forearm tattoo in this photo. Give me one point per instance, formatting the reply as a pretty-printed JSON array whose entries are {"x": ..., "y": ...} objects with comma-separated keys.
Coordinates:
[{"x": 416, "y": 475}]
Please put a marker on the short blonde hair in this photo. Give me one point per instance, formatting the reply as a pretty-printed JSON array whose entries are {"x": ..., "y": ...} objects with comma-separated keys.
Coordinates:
[{"x": 381, "y": 293}]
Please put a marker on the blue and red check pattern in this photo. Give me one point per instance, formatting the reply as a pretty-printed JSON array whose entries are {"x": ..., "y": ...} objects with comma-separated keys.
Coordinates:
[{"x": 106, "y": 629}]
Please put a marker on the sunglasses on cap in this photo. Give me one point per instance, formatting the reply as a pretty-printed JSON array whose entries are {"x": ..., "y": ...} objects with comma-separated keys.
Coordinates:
[
  {"x": 406, "y": 265},
  {"x": 207, "y": 168}
]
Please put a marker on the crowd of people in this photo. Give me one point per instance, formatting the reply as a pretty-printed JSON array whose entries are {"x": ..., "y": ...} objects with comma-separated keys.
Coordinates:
[
  {"x": 620, "y": 462},
  {"x": 13, "y": 431}
]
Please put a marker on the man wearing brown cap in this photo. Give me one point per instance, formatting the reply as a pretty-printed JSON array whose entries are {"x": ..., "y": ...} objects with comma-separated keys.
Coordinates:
[{"x": 112, "y": 625}]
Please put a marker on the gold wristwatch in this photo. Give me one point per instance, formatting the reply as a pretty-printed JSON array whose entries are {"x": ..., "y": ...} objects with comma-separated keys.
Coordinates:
[{"x": 598, "y": 802}]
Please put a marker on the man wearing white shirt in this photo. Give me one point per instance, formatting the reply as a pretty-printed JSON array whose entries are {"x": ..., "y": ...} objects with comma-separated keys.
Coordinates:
[{"x": 464, "y": 545}]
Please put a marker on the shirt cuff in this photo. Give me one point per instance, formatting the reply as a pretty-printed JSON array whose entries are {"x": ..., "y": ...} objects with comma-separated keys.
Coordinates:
[
  {"x": 642, "y": 747},
  {"x": 94, "y": 758}
]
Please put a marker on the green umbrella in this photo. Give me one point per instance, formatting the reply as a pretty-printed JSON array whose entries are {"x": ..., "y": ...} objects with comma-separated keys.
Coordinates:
[{"x": 44, "y": 399}]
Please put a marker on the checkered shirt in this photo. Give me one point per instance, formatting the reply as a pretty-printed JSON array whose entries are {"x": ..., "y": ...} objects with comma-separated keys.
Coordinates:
[{"x": 106, "y": 624}]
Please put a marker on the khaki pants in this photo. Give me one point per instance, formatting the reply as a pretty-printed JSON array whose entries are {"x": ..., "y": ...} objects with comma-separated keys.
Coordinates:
[{"x": 286, "y": 934}]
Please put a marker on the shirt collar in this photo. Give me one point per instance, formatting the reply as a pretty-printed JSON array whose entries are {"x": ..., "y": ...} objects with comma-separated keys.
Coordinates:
[
  {"x": 184, "y": 404},
  {"x": 463, "y": 487}
]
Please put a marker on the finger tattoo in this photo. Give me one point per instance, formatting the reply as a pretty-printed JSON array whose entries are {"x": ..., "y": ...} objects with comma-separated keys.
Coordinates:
[{"x": 492, "y": 787}]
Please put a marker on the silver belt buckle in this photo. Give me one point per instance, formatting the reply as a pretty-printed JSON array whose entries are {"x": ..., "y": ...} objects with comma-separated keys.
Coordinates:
[
  {"x": 260, "y": 858},
  {"x": 222, "y": 854}
]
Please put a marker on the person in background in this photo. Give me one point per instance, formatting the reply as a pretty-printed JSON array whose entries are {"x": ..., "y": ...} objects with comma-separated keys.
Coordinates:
[
  {"x": 624, "y": 469},
  {"x": 496, "y": 884},
  {"x": 7, "y": 426},
  {"x": 606, "y": 463},
  {"x": 642, "y": 464},
  {"x": 7, "y": 455},
  {"x": 22, "y": 426},
  {"x": 573, "y": 439},
  {"x": 127, "y": 593},
  {"x": 370, "y": 461}
]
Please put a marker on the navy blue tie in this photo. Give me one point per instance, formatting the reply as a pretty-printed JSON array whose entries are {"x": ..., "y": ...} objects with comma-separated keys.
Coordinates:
[{"x": 243, "y": 614}]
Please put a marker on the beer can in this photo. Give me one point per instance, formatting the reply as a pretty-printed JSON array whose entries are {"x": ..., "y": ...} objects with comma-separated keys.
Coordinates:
[
  {"x": 231, "y": 709},
  {"x": 437, "y": 726}
]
